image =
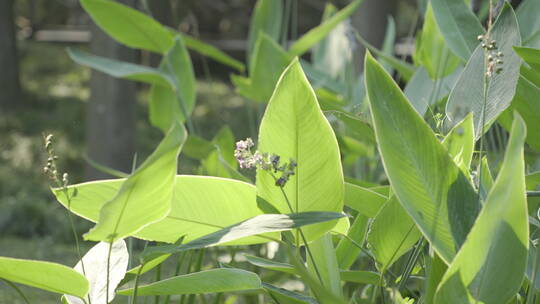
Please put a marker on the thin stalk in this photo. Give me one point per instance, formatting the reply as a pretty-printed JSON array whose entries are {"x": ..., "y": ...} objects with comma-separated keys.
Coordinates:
[
  {"x": 136, "y": 287},
  {"x": 285, "y": 24},
  {"x": 198, "y": 266},
  {"x": 179, "y": 263},
  {"x": 17, "y": 289},
  {"x": 531, "y": 291},
  {"x": 108, "y": 271},
  {"x": 299, "y": 231},
  {"x": 158, "y": 277},
  {"x": 410, "y": 264},
  {"x": 533, "y": 193}
]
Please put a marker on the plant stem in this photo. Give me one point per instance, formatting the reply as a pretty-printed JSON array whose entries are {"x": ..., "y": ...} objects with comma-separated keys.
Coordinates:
[
  {"x": 134, "y": 299},
  {"x": 158, "y": 277},
  {"x": 108, "y": 271}
]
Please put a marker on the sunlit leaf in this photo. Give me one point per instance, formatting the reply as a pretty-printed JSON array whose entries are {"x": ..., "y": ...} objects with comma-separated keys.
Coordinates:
[
  {"x": 294, "y": 127},
  {"x": 209, "y": 281},
  {"x": 427, "y": 182},
  {"x": 44, "y": 275},
  {"x": 481, "y": 271}
]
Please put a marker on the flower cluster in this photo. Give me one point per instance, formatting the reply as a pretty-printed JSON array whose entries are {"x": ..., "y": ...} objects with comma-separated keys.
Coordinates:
[
  {"x": 50, "y": 168},
  {"x": 494, "y": 56},
  {"x": 271, "y": 163}
]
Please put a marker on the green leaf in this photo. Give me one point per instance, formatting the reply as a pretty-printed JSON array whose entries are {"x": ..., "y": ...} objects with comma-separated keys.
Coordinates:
[
  {"x": 433, "y": 53},
  {"x": 169, "y": 105},
  {"x": 316, "y": 34},
  {"x": 530, "y": 56},
  {"x": 346, "y": 250},
  {"x": 458, "y": 25},
  {"x": 529, "y": 23},
  {"x": 468, "y": 93},
  {"x": 269, "y": 264},
  {"x": 362, "y": 277},
  {"x": 260, "y": 224},
  {"x": 95, "y": 270},
  {"x": 201, "y": 205},
  {"x": 364, "y": 200},
  {"x": 435, "y": 272},
  {"x": 211, "y": 52},
  {"x": 145, "y": 196},
  {"x": 197, "y": 147},
  {"x": 209, "y": 281},
  {"x": 293, "y": 126},
  {"x": 285, "y": 296},
  {"x": 324, "y": 258},
  {"x": 392, "y": 234},
  {"x": 121, "y": 69},
  {"x": 44, "y": 275},
  {"x": 527, "y": 104},
  {"x": 460, "y": 143},
  {"x": 264, "y": 76},
  {"x": 266, "y": 18},
  {"x": 427, "y": 182},
  {"x": 129, "y": 26},
  {"x": 222, "y": 158},
  {"x": 481, "y": 271}
]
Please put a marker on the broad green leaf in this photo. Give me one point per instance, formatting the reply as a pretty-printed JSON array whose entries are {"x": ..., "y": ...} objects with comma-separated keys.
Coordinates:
[
  {"x": 95, "y": 270},
  {"x": 145, "y": 196},
  {"x": 316, "y": 34},
  {"x": 468, "y": 93},
  {"x": 197, "y": 147},
  {"x": 200, "y": 205},
  {"x": 364, "y": 200},
  {"x": 44, "y": 275},
  {"x": 391, "y": 234},
  {"x": 284, "y": 296},
  {"x": 346, "y": 250},
  {"x": 264, "y": 76},
  {"x": 269, "y": 264},
  {"x": 211, "y": 52},
  {"x": 222, "y": 158},
  {"x": 388, "y": 46},
  {"x": 325, "y": 261},
  {"x": 260, "y": 224},
  {"x": 169, "y": 105},
  {"x": 433, "y": 53},
  {"x": 530, "y": 56},
  {"x": 459, "y": 143},
  {"x": 266, "y": 18},
  {"x": 293, "y": 126},
  {"x": 427, "y": 182},
  {"x": 209, "y": 281},
  {"x": 129, "y": 26},
  {"x": 424, "y": 93},
  {"x": 362, "y": 277},
  {"x": 529, "y": 23},
  {"x": 481, "y": 272},
  {"x": 435, "y": 271},
  {"x": 486, "y": 179},
  {"x": 458, "y": 25},
  {"x": 533, "y": 266},
  {"x": 527, "y": 104},
  {"x": 121, "y": 69}
]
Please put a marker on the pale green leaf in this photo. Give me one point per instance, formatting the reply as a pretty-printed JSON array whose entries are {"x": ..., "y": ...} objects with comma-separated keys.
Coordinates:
[
  {"x": 95, "y": 270},
  {"x": 481, "y": 272},
  {"x": 168, "y": 105},
  {"x": 529, "y": 23},
  {"x": 209, "y": 281},
  {"x": 145, "y": 196},
  {"x": 293, "y": 126},
  {"x": 427, "y": 182},
  {"x": 362, "y": 277},
  {"x": 460, "y": 143},
  {"x": 392, "y": 234},
  {"x": 364, "y": 200},
  {"x": 458, "y": 25},
  {"x": 284, "y": 296},
  {"x": 201, "y": 205},
  {"x": 468, "y": 93},
  {"x": 211, "y": 52},
  {"x": 44, "y": 275},
  {"x": 261, "y": 224},
  {"x": 346, "y": 250},
  {"x": 530, "y": 56},
  {"x": 325, "y": 261},
  {"x": 129, "y": 26},
  {"x": 316, "y": 34},
  {"x": 270, "y": 264}
]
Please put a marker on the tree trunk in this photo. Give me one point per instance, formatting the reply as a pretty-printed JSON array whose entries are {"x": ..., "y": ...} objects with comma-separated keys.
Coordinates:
[
  {"x": 9, "y": 75},
  {"x": 110, "y": 122},
  {"x": 370, "y": 20}
]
